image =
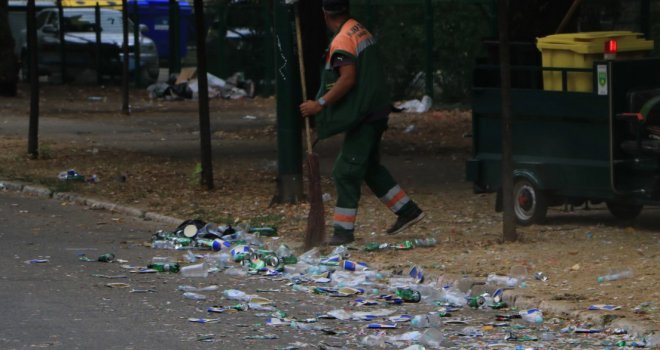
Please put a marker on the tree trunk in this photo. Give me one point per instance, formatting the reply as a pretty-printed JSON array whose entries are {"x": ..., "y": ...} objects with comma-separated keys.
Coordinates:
[{"x": 8, "y": 61}]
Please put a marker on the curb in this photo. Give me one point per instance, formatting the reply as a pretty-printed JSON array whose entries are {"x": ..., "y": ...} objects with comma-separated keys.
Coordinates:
[{"x": 91, "y": 203}]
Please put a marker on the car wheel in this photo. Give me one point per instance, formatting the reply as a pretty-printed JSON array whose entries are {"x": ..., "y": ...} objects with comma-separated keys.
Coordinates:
[
  {"x": 529, "y": 203},
  {"x": 624, "y": 211}
]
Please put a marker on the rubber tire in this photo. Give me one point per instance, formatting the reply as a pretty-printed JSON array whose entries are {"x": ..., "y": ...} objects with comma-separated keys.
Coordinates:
[
  {"x": 533, "y": 213},
  {"x": 624, "y": 211}
]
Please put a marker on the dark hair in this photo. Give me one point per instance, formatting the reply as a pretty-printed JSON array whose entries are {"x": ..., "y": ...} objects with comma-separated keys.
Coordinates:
[{"x": 336, "y": 7}]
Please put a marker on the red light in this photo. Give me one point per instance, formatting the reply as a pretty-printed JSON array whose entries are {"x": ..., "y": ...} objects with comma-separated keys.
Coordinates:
[{"x": 610, "y": 46}]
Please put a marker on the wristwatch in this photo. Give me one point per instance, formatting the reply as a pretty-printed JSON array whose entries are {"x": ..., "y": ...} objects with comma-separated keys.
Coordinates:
[{"x": 322, "y": 101}]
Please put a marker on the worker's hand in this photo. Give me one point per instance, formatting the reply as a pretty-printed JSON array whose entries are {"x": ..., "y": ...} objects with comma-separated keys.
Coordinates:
[{"x": 310, "y": 108}]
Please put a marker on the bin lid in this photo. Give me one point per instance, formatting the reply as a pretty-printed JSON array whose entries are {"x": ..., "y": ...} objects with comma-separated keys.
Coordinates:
[{"x": 594, "y": 42}]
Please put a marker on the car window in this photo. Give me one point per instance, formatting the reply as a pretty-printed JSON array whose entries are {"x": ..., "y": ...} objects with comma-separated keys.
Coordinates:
[
  {"x": 85, "y": 21},
  {"x": 42, "y": 17}
]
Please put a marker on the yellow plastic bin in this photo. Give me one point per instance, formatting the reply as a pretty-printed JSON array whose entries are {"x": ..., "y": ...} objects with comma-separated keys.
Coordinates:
[{"x": 580, "y": 50}]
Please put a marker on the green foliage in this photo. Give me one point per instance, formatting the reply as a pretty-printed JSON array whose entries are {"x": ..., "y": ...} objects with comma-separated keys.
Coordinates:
[
  {"x": 458, "y": 29},
  {"x": 45, "y": 151},
  {"x": 196, "y": 175}
]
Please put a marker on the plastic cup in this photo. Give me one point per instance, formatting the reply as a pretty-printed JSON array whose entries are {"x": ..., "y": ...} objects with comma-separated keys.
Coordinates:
[{"x": 197, "y": 270}]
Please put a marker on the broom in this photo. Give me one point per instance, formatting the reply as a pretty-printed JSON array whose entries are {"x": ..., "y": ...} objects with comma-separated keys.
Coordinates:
[{"x": 315, "y": 231}]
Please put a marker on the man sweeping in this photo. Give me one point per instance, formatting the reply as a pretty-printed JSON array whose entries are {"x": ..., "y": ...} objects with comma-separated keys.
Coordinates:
[{"x": 353, "y": 99}]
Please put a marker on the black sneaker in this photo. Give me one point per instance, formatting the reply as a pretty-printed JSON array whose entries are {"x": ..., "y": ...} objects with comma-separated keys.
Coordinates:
[
  {"x": 405, "y": 221},
  {"x": 340, "y": 239}
]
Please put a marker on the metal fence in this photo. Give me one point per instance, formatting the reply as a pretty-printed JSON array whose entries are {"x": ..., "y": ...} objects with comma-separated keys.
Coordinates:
[
  {"x": 84, "y": 43},
  {"x": 429, "y": 46}
]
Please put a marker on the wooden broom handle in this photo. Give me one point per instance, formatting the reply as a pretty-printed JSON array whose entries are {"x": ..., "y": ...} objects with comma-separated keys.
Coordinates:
[{"x": 303, "y": 81}]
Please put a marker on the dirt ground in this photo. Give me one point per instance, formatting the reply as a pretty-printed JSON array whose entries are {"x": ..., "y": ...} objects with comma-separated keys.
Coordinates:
[{"x": 426, "y": 152}]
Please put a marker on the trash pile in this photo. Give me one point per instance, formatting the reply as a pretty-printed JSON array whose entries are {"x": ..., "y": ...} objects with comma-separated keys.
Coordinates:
[
  {"x": 73, "y": 176},
  {"x": 186, "y": 86},
  {"x": 380, "y": 309}
]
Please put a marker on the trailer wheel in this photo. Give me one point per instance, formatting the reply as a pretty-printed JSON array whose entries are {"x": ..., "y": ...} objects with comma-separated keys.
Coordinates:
[
  {"x": 624, "y": 211},
  {"x": 529, "y": 203}
]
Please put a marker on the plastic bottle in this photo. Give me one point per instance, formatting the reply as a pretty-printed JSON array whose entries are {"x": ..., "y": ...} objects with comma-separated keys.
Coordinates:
[
  {"x": 194, "y": 296},
  {"x": 299, "y": 288},
  {"x": 198, "y": 270},
  {"x": 341, "y": 251},
  {"x": 187, "y": 288},
  {"x": 235, "y": 271},
  {"x": 431, "y": 338},
  {"x": 190, "y": 257},
  {"x": 425, "y": 242},
  {"x": 504, "y": 281},
  {"x": 234, "y": 294},
  {"x": 615, "y": 275},
  {"x": 165, "y": 267},
  {"x": 409, "y": 295},
  {"x": 453, "y": 296},
  {"x": 311, "y": 256},
  {"x": 420, "y": 321},
  {"x": 162, "y": 260},
  {"x": 532, "y": 316},
  {"x": 283, "y": 251},
  {"x": 162, "y": 244},
  {"x": 372, "y": 341},
  {"x": 219, "y": 261}
]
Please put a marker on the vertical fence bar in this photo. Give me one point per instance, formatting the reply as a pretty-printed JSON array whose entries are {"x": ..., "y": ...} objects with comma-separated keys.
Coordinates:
[
  {"x": 174, "y": 59},
  {"x": 204, "y": 121},
  {"x": 289, "y": 123},
  {"x": 136, "y": 45},
  {"x": 269, "y": 52},
  {"x": 645, "y": 18},
  {"x": 124, "y": 76},
  {"x": 97, "y": 29},
  {"x": 33, "y": 131},
  {"x": 429, "y": 47},
  {"x": 61, "y": 32}
]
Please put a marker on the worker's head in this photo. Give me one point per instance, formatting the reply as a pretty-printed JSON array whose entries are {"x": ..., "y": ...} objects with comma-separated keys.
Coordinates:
[{"x": 335, "y": 11}]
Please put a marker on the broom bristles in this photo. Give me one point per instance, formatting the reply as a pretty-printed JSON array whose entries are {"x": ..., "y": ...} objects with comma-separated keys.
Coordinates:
[{"x": 315, "y": 231}]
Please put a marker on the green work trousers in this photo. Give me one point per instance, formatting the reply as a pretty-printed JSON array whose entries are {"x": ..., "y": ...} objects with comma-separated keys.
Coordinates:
[{"x": 358, "y": 162}]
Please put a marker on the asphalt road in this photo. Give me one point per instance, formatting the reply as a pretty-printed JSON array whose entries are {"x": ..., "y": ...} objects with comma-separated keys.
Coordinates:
[{"x": 64, "y": 303}]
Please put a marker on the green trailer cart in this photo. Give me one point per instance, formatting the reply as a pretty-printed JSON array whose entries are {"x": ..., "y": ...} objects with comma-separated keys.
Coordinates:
[{"x": 573, "y": 147}]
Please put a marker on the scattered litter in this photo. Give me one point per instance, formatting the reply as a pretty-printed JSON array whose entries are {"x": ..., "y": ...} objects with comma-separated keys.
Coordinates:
[
  {"x": 540, "y": 276},
  {"x": 427, "y": 312},
  {"x": 117, "y": 285},
  {"x": 142, "y": 291},
  {"x": 74, "y": 176},
  {"x": 37, "y": 261},
  {"x": 262, "y": 337},
  {"x": 415, "y": 106},
  {"x": 187, "y": 288},
  {"x": 186, "y": 86},
  {"x": 604, "y": 307},
  {"x": 108, "y": 257},
  {"x": 194, "y": 296},
  {"x": 204, "y": 320},
  {"x": 109, "y": 276}
]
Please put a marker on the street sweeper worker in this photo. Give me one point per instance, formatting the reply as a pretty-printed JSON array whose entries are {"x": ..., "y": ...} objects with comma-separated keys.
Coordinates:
[{"x": 353, "y": 99}]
